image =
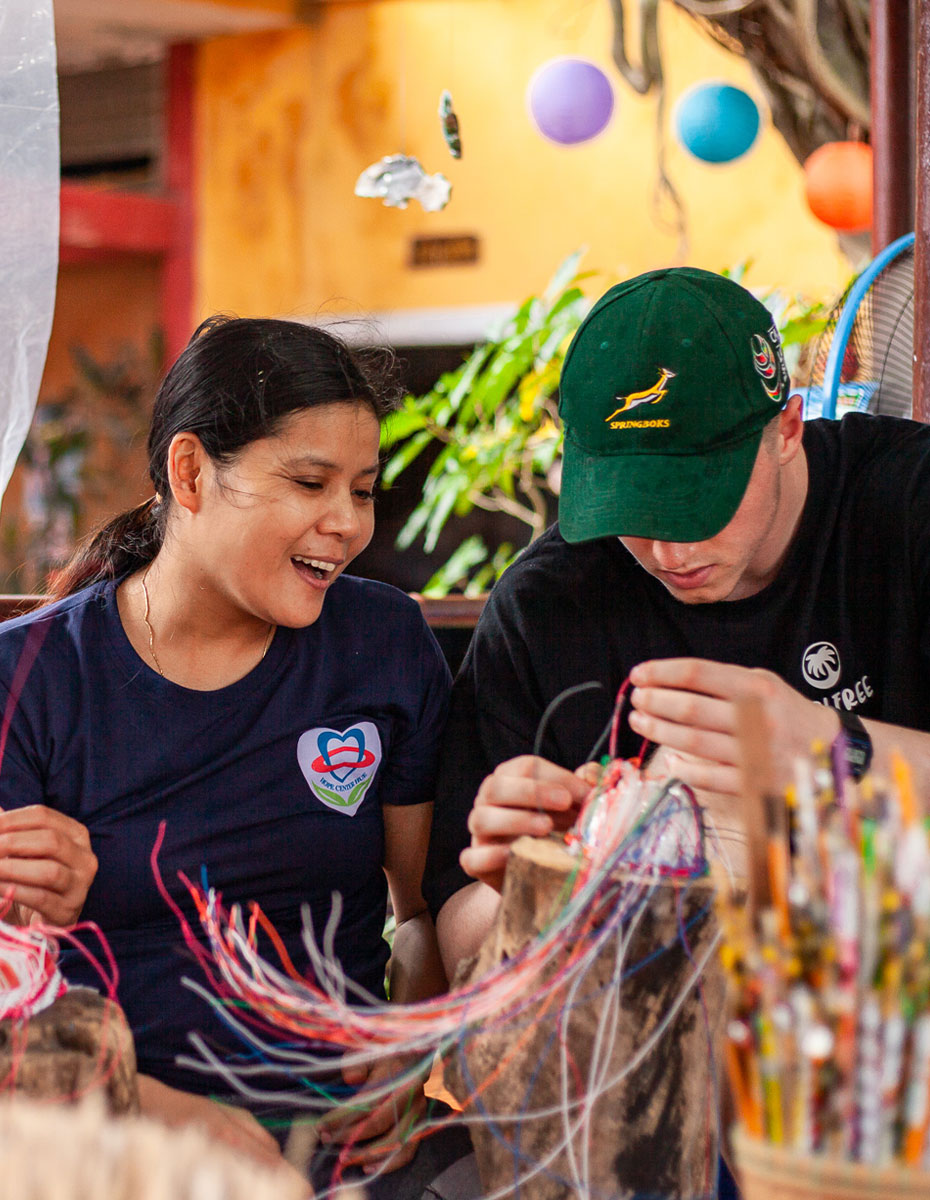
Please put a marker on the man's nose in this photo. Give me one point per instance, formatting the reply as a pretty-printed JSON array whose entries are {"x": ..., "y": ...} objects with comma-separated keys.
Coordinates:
[{"x": 673, "y": 555}]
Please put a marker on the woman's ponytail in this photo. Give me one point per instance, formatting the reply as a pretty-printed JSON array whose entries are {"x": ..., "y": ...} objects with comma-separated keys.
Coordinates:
[{"x": 122, "y": 546}]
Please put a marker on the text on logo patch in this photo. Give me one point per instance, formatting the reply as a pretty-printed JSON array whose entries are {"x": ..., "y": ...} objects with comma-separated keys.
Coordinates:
[
  {"x": 339, "y": 765},
  {"x": 650, "y": 396}
]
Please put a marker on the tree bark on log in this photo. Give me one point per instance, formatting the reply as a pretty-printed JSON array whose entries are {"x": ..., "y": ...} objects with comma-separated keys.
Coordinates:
[{"x": 650, "y": 1131}]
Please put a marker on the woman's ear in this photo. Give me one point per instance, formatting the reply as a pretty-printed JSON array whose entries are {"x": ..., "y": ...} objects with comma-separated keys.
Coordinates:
[{"x": 187, "y": 461}]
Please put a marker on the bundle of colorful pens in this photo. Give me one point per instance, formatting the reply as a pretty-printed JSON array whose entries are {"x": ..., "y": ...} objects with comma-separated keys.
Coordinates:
[{"x": 828, "y": 1048}]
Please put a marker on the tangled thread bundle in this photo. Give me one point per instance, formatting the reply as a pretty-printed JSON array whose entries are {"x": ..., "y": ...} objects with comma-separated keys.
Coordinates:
[
  {"x": 633, "y": 834},
  {"x": 29, "y": 976}
]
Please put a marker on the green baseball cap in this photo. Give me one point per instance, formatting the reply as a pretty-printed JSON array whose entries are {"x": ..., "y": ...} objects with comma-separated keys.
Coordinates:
[{"x": 665, "y": 391}]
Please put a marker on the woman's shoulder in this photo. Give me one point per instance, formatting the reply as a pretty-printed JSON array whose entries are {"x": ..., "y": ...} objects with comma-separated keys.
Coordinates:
[
  {"x": 372, "y": 598},
  {"x": 61, "y": 611},
  {"x": 381, "y": 622},
  {"x": 68, "y": 620}
]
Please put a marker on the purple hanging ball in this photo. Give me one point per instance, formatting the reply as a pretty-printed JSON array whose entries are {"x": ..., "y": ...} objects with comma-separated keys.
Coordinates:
[{"x": 570, "y": 100}]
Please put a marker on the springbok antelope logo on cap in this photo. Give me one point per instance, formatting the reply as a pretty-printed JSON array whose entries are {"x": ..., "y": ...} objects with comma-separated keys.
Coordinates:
[{"x": 651, "y": 396}]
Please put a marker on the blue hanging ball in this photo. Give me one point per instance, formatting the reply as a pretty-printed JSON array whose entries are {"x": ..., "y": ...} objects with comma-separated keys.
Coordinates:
[{"x": 717, "y": 122}]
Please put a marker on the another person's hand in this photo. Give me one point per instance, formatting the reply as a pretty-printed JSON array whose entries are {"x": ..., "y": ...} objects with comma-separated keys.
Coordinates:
[
  {"x": 46, "y": 863},
  {"x": 380, "y": 1136},
  {"x": 523, "y": 796},
  {"x": 688, "y": 707},
  {"x": 224, "y": 1122}
]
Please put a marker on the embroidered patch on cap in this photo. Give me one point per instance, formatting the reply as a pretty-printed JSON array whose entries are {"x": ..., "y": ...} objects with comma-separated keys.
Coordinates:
[
  {"x": 651, "y": 395},
  {"x": 339, "y": 765},
  {"x": 769, "y": 364}
]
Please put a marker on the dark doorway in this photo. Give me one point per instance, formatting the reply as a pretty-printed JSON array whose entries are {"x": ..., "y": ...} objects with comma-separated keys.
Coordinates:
[{"x": 420, "y": 367}]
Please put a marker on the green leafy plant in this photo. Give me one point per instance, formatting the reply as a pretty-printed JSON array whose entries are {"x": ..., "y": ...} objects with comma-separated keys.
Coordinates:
[
  {"x": 799, "y": 321},
  {"x": 495, "y": 418}
]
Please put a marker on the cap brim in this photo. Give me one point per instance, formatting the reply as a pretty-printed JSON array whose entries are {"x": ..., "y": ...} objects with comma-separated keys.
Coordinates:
[{"x": 668, "y": 498}]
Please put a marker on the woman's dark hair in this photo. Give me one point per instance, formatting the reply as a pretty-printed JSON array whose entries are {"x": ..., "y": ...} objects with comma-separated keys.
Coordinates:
[{"x": 235, "y": 382}]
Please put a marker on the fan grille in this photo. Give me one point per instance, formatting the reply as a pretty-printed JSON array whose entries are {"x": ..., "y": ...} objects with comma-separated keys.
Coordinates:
[{"x": 876, "y": 374}]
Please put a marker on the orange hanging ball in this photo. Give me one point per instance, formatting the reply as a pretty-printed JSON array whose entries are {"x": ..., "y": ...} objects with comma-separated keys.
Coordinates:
[{"x": 838, "y": 181}]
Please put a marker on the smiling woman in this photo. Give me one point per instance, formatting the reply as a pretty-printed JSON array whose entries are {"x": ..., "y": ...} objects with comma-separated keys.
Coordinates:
[{"x": 207, "y": 664}]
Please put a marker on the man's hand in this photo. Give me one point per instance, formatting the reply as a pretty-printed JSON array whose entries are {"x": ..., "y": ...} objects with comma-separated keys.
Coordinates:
[
  {"x": 688, "y": 706},
  {"x": 46, "y": 862},
  {"x": 525, "y": 795},
  {"x": 380, "y": 1136}
]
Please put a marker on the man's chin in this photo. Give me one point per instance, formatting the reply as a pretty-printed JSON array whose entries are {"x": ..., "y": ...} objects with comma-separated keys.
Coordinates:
[{"x": 711, "y": 592}]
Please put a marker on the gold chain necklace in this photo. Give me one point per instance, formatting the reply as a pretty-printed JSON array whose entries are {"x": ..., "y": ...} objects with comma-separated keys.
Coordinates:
[{"x": 148, "y": 626}]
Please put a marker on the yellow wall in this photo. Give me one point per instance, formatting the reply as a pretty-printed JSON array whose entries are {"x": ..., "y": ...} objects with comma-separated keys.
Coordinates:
[{"x": 286, "y": 122}]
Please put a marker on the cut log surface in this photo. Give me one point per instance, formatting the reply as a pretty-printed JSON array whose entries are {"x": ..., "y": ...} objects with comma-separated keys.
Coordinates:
[
  {"x": 79, "y": 1045},
  {"x": 650, "y": 1129}
]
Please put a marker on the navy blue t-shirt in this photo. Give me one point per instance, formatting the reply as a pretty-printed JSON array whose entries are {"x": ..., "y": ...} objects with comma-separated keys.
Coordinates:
[{"x": 273, "y": 785}]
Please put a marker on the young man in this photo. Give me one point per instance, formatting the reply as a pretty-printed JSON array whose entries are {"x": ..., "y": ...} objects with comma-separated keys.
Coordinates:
[{"x": 710, "y": 546}]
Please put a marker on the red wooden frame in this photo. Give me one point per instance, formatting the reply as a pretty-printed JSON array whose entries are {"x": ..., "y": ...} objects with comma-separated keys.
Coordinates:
[{"x": 98, "y": 224}]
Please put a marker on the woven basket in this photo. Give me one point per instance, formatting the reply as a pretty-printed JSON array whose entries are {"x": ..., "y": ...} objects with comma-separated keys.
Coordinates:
[{"x": 768, "y": 1172}]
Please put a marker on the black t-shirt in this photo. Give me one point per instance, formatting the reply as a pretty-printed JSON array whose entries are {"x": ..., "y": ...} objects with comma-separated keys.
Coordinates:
[{"x": 845, "y": 623}]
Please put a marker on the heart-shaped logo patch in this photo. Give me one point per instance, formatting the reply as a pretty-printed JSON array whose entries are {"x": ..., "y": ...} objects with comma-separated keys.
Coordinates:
[{"x": 339, "y": 765}]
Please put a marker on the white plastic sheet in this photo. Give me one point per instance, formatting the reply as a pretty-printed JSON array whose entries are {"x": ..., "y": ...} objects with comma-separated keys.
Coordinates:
[{"x": 29, "y": 190}]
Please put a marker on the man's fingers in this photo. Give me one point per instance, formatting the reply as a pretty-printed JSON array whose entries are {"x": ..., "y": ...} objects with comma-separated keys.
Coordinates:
[
  {"x": 513, "y": 792},
  {"x": 590, "y": 773},
  {"x": 486, "y": 863},
  {"x": 724, "y": 680},
  {"x": 719, "y": 747},
  {"x": 705, "y": 776},
  {"x": 529, "y": 781},
  {"x": 391, "y": 1113},
  {"x": 685, "y": 708},
  {"x": 487, "y": 822}
]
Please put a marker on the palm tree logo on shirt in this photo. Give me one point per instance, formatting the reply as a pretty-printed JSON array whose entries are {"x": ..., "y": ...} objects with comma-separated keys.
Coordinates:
[
  {"x": 820, "y": 664},
  {"x": 340, "y": 764}
]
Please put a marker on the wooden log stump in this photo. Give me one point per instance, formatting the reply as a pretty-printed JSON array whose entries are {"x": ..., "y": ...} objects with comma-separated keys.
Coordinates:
[
  {"x": 78, "y": 1045},
  {"x": 652, "y": 1131}
]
